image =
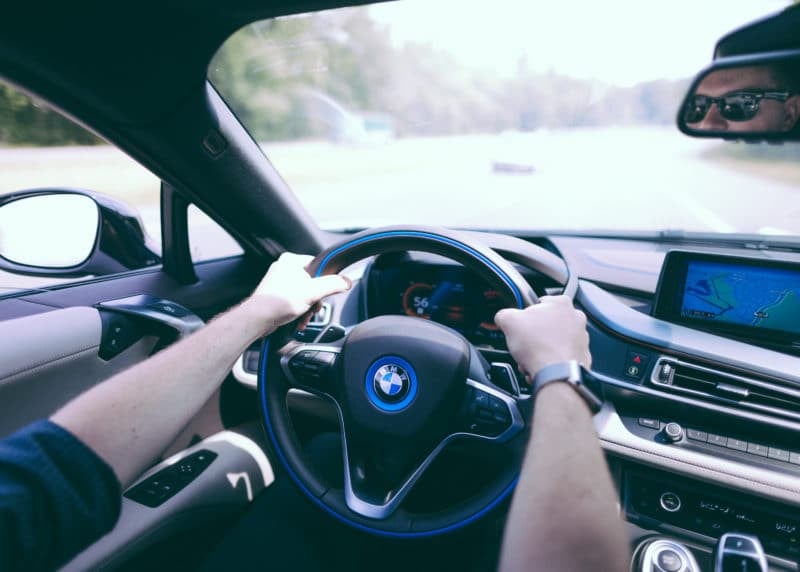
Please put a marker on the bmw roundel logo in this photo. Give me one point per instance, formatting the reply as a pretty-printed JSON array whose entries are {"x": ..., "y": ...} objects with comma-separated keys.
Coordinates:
[{"x": 391, "y": 383}]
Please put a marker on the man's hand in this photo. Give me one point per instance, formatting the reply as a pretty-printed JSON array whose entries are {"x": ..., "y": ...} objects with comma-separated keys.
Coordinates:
[
  {"x": 287, "y": 291},
  {"x": 551, "y": 331}
]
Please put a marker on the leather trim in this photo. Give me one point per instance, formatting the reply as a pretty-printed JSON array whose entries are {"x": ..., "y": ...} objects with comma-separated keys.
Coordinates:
[{"x": 42, "y": 339}]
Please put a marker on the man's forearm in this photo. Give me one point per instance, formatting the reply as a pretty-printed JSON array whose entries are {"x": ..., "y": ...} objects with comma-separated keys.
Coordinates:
[
  {"x": 564, "y": 515},
  {"x": 129, "y": 419}
]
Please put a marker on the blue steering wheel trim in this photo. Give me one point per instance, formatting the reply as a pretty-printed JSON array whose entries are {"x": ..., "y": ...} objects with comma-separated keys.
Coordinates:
[
  {"x": 268, "y": 422},
  {"x": 430, "y": 236}
]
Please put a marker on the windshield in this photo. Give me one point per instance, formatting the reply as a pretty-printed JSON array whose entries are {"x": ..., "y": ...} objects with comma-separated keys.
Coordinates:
[{"x": 504, "y": 115}]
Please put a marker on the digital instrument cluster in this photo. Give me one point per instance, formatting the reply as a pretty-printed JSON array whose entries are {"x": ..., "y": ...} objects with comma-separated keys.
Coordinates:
[{"x": 448, "y": 294}]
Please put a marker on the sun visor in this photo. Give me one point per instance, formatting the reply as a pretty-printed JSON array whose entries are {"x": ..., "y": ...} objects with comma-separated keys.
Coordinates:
[{"x": 774, "y": 33}]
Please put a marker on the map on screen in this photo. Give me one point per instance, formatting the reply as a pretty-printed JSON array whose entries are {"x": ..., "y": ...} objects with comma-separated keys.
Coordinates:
[{"x": 743, "y": 295}]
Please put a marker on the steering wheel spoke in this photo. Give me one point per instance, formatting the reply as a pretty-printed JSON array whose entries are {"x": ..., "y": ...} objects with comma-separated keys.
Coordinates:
[
  {"x": 490, "y": 414},
  {"x": 375, "y": 491},
  {"x": 312, "y": 367}
]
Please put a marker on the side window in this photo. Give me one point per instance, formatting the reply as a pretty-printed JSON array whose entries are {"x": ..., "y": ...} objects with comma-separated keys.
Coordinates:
[
  {"x": 72, "y": 206},
  {"x": 207, "y": 239}
]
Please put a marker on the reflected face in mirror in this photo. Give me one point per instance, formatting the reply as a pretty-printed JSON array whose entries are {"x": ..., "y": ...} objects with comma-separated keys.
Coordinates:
[{"x": 744, "y": 99}]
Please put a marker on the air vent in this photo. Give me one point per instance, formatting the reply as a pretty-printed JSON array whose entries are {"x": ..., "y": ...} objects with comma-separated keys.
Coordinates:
[{"x": 726, "y": 388}]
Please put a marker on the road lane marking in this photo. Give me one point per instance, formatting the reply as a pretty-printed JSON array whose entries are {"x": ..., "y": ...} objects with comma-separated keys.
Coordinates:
[{"x": 703, "y": 213}]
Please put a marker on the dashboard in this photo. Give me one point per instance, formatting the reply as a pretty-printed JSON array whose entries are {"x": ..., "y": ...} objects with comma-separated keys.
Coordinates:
[{"x": 684, "y": 340}]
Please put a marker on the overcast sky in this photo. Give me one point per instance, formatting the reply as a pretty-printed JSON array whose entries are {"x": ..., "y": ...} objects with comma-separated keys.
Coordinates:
[{"x": 621, "y": 42}]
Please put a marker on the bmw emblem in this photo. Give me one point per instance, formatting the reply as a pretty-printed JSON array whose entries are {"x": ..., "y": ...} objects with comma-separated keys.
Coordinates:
[{"x": 391, "y": 382}]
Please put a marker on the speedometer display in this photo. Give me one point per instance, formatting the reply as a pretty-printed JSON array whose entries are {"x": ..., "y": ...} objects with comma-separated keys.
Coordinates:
[
  {"x": 417, "y": 300},
  {"x": 447, "y": 294}
]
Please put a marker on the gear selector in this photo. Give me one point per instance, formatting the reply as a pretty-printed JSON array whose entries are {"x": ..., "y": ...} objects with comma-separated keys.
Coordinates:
[{"x": 739, "y": 553}]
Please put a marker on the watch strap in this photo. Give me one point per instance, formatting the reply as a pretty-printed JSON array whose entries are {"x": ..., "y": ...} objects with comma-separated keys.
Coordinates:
[{"x": 572, "y": 373}]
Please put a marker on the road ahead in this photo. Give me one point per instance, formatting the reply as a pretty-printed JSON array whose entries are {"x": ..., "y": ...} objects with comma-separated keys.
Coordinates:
[
  {"x": 613, "y": 179},
  {"x": 629, "y": 179}
]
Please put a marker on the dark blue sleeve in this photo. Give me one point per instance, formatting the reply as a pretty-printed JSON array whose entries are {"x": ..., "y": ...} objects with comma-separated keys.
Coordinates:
[{"x": 56, "y": 497}]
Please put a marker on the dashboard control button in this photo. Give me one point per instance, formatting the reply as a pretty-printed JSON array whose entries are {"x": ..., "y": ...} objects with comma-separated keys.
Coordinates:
[
  {"x": 736, "y": 444},
  {"x": 669, "y": 561},
  {"x": 486, "y": 415},
  {"x": 649, "y": 422},
  {"x": 697, "y": 435},
  {"x": 778, "y": 454},
  {"x": 756, "y": 449},
  {"x": 331, "y": 334},
  {"x": 311, "y": 367},
  {"x": 794, "y": 458},
  {"x": 497, "y": 406},
  {"x": 713, "y": 506},
  {"x": 325, "y": 358},
  {"x": 307, "y": 335},
  {"x": 503, "y": 376},
  {"x": 670, "y": 502},
  {"x": 665, "y": 373},
  {"x": 715, "y": 439},
  {"x": 674, "y": 432},
  {"x": 167, "y": 482},
  {"x": 636, "y": 364},
  {"x": 745, "y": 516}
]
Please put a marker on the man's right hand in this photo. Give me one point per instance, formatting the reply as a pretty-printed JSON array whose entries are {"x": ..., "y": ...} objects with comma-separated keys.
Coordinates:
[{"x": 551, "y": 331}]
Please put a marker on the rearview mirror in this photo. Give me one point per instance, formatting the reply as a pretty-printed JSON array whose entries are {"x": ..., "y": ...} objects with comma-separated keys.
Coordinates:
[{"x": 745, "y": 97}]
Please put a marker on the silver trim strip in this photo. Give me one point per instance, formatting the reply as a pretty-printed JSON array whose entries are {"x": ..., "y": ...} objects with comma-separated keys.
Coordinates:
[
  {"x": 615, "y": 438},
  {"x": 242, "y": 376},
  {"x": 605, "y": 309},
  {"x": 734, "y": 390},
  {"x": 382, "y": 511},
  {"x": 515, "y": 389}
]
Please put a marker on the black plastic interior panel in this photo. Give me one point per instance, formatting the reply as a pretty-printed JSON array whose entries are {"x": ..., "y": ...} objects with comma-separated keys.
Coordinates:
[
  {"x": 166, "y": 483},
  {"x": 220, "y": 284},
  {"x": 652, "y": 498}
]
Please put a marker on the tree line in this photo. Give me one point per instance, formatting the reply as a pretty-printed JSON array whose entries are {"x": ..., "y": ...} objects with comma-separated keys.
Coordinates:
[{"x": 283, "y": 77}]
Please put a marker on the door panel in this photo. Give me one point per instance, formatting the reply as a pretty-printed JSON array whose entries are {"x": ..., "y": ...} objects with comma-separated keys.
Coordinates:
[
  {"x": 221, "y": 283},
  {"x": 52, "y": 357}
]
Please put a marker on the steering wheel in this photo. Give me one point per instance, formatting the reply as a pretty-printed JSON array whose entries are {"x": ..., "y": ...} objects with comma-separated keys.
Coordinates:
[{"x": 405, "y": 389}]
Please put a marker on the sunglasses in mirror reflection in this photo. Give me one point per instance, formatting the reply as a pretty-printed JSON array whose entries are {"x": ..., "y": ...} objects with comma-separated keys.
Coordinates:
[{"x": 761, "y": 98}]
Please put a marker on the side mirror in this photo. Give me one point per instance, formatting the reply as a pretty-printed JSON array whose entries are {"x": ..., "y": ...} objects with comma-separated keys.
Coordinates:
[
  {"x": 67, "y": 233},
  {"x": 751, "y": 97}
]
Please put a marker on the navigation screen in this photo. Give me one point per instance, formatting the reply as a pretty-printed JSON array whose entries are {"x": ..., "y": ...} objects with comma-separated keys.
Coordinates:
[{"x": 742, "y": 295}]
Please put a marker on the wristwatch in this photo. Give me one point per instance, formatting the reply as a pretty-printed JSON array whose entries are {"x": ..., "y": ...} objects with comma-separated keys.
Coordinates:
[{"x": 574, "y": 374}]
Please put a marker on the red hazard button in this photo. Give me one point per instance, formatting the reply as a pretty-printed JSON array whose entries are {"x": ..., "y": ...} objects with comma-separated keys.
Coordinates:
[{"x": 636, "y": 364}]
